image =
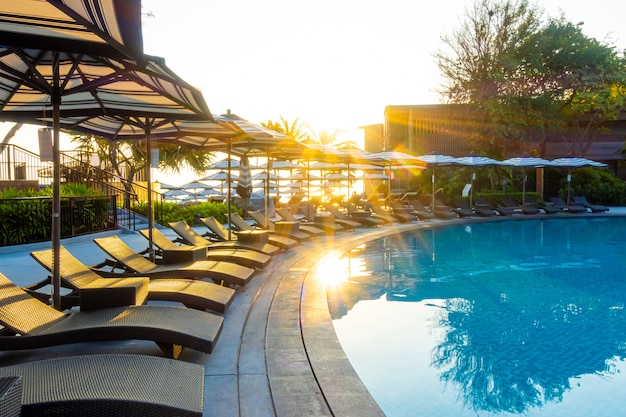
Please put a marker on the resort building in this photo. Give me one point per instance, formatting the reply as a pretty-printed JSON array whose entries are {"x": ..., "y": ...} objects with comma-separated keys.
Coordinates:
[{"x": 450, "y": 129}]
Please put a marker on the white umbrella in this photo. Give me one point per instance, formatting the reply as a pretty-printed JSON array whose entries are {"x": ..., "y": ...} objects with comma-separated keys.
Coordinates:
[
  {"x": 525, "y": 162},
  {"x": 219, "y": 176},
  {"x": 571, "y": 162},
  {"x": 265, "y": 176},
  {"x": 303, "y": 176},
  {"x": 475, "y": 161},
  {"x": 376, "y": 176},
  {"x": 282, "y": 165},
  {"x": 433, "y": 160}
]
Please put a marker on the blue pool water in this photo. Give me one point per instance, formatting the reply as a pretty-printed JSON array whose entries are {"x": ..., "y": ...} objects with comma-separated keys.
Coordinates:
[{"x": 490, "y": 319}]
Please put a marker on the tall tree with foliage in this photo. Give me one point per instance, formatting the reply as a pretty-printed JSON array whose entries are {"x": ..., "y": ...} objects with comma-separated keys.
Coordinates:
[{"x": 530, "y": 80}]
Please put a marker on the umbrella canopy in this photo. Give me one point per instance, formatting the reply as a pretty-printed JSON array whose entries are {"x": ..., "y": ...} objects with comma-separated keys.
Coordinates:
[
  {"x": 304, "y": 176},
  {"x": 376, "y": 176},
  {"x": 279, "y": 164},
  {"x": 36, "y": 40},
  {"x": 433, "y": 160},
  {"x": 571, "y": 162},
  {"x": 223, "y": 164},
  {"x": 175, "y": 194},
  {"x": 109, "y": 28},
  {"x": 474, "y": 161},
  {"x": 165, "y": 186},
  {"x": 525, "y": 162},
  {"x": 265, "y": 176},
  {"x": 220, "y": 176},
  {"x": 244, "y": 184}
]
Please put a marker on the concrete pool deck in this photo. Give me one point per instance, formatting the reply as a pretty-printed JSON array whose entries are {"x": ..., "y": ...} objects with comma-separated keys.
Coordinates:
[{"x": 278, "y": 354}]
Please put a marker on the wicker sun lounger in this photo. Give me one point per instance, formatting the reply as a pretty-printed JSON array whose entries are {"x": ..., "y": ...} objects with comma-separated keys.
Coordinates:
[
  {"x": 292, "y": 231},
  {"x": 29, "y": 324},
  {"x": 220, "y": 233},
  {"x": 77, "y": 276},
  {"x": 595, "y": 208},
  {"x": 310, "y": 228},
  {"x": 368, "y": 221},
  {"x": 245, "y": 257},
  {"x": 332, "y": 224},
  {"x": 568, "y": 208},
  {"x": 191, "y": 237},
  {"x": 109, "y": 385},
  {"x": 284, "y": 242},
  {"x": 125, "y": 258}
]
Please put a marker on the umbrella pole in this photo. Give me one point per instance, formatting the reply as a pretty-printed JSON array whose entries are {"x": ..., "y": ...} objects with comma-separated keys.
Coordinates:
[
  {"x": 569, "y": 182},
  {"x": 228, "y": 192},
  {"x": 432, "y": 187},
  {"x": 524, "y": 186},
  {"x": 56, "y": 188},
  {"x": 472, "y": 189},
  {"x": 267, "y": 190},
  {"x": 149, "y": 187}
]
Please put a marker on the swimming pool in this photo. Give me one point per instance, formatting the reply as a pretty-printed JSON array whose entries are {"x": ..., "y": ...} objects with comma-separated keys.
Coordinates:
[{"x": 504, "y": 318}]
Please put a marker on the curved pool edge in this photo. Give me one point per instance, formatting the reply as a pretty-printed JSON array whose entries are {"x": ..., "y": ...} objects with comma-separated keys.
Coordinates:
[{"x": 308, "y": 370}]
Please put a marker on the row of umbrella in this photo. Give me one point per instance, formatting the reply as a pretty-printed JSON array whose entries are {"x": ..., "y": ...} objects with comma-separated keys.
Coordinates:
[{"x": 524, "y": 162}]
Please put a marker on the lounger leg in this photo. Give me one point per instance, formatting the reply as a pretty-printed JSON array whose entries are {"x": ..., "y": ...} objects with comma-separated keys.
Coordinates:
[{"x": 171, "y": 351}]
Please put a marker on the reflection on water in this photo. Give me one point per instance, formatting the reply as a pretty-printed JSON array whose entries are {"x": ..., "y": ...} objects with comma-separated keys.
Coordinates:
[{"x": 519, "y": 314}]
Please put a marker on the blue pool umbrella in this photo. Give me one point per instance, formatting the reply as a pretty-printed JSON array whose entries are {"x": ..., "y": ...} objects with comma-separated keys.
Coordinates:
[{"x": 571, "y": 162}]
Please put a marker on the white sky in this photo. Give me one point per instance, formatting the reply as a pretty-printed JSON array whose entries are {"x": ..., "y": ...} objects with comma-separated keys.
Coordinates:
[{"x": 334, "y": 64}]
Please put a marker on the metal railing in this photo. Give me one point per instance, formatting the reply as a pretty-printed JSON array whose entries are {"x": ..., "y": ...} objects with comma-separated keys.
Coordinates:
[{"x": 25, "y": 169}]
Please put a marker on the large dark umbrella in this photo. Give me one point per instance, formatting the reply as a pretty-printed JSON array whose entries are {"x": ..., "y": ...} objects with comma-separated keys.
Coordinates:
[
  {"x": 97, "y": 95},
  {"x": 244, "y": 184},
  {"x": 571, "y": 162},
  {"x": 42, "y": 47},
  {"x": 110, "y": 28}
]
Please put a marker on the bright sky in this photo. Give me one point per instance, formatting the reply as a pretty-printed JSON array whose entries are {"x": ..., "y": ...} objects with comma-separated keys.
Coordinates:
[{"x": 334, "y": 64}]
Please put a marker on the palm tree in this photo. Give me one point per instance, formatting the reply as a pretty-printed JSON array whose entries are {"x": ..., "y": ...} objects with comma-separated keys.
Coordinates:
[
  {"x": 294, "y": 129},
  {"x": 128, "y": 158}
]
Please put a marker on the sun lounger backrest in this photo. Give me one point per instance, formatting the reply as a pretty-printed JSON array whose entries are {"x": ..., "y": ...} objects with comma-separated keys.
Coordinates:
[
  {"x": 73, "y": 271},
  {"x": 159, "y": 239},
  {"x": 14, "y": 302},
  {"x": 261, "y": 220},
  {"x": 188, "y": 234},
  {"x": 124, "y": 254},
  {"x": 286, "y": 215},
  {"x": 215, "y": 227},
  {"x": 239, "y": 222}
]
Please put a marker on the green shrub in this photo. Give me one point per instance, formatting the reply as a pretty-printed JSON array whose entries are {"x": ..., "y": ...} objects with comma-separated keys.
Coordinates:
[
  {"x": 168, "y": 211},
  {"x": 599, "y": 185}
]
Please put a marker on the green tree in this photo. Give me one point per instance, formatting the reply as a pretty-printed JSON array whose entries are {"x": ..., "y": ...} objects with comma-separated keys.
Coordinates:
[
  {"x": 583, "y": 78},
  {"x": 529, "y": 80},
  {"x": 127, "y": 159}
]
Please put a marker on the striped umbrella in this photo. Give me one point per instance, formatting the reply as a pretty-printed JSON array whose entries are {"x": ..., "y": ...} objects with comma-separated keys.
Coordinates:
[
  {"x": 244, "y": 184},
  {"x": 525, "y": 162},
  {"x": 473, "y": 161},
  {"x": 571, "y": 162}
]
